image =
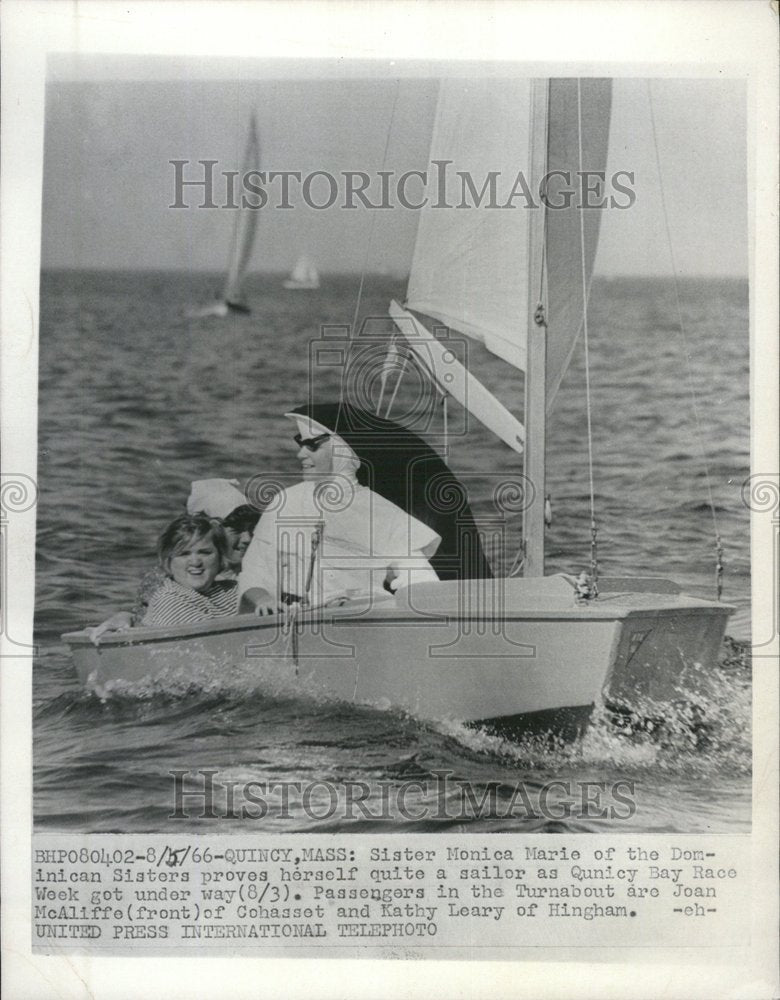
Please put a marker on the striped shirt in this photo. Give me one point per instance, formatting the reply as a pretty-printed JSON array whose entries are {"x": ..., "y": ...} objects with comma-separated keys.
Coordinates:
[
  {"x": 151, "y": 582},
  {"x": 172, "y": 604}
]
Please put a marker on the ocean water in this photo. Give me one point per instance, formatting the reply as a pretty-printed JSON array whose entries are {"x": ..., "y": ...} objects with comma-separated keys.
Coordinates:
[{"x": 136, "y": 400}]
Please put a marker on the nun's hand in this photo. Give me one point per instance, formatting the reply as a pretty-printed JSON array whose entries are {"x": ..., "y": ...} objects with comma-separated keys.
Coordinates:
[
  {"x": 257, "y": 601},
  {"x": 267, "y": 610},
  {"x": 116, "y": 623}
]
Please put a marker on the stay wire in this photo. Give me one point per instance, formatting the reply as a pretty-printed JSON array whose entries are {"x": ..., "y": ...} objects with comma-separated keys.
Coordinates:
[
  {"x": 686, "y": 351},
  {"x": 593, "y": 528}
]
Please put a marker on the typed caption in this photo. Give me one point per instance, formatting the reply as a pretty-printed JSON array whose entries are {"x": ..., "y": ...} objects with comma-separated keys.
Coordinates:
[{"x": 367, "y": 896}]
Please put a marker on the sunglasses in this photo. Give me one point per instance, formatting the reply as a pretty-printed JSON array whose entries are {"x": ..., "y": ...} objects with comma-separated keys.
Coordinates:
[{"x": 311, "y": 443}]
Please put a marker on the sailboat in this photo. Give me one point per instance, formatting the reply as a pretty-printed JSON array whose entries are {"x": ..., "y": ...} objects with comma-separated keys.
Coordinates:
[
  {"x": 233, "y": 299},
  {"x": 517, "y": 654},
  {"x": 303, "y": 276}
]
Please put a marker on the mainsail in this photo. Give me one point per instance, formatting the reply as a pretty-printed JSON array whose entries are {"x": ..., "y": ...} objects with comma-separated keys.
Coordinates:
[
  {"x": 507, "y": 256},
  {"x": 484, "y": 241},
  {"x": 470, "y": 263},
  {"x": 244, "y": 232}
]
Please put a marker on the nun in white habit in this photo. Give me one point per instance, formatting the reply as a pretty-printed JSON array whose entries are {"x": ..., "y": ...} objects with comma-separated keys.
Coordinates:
[{"x": 328, "y": 536}]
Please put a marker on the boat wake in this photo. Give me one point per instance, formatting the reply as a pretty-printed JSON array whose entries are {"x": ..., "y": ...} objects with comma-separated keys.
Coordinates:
[
  {"x": 268, "y": 726},
  {"x": 694, "y": 735},
  {"x": 209, "y": 677}
]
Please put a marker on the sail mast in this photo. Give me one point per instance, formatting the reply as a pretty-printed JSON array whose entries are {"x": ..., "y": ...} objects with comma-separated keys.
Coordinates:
[{"x": 536, "y": 346}]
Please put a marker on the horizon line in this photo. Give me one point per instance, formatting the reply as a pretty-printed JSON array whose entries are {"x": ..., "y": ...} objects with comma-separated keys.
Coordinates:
[{"x": 380, "y": 272}]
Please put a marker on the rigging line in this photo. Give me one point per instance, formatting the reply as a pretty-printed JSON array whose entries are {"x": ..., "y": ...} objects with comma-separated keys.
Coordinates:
[
  {"x": 543, "y": 266},
  {"x": 517, "y": 564},
  {"x": 540, "y": 316},
  {"x": 691, "y": 389},
  {"x": 594, "y": 562},
  {"x": 404, "y": 362},
  {"x": 366, "y": 257}
]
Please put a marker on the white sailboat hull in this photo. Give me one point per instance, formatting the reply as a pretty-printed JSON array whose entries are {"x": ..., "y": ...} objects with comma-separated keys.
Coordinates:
[
  {"x": 233, "y": 300},
  {"x": 292, "y": 285},
  {"x": 219, "y": 309},
  {"x": 304, "y": 276},
  {"x": 536, "y": 659}
]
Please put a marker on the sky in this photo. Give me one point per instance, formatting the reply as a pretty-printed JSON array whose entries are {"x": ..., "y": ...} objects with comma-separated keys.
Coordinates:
[{"x": 113, "y": 126}]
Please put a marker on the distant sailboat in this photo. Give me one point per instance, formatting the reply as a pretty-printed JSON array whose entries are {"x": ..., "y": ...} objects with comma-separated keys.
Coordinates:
[
  {"x": 233, "y": 299},
  {"x": 304, "y": 275}
]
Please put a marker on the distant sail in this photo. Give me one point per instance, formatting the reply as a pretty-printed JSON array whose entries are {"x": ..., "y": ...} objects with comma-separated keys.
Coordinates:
[
  {"x": 244, "y": 232},
  {"x": 241, "y": 247},
  {"x": 479, "y": 268},
  {"x": 304, "y": 275}
]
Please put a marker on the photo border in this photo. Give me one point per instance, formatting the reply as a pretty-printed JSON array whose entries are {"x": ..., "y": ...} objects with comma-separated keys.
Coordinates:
[{"x": 670, "y": 39}]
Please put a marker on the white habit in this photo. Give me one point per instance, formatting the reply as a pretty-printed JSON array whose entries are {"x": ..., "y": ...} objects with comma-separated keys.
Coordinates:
[{"x": 362, "y": 537}]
